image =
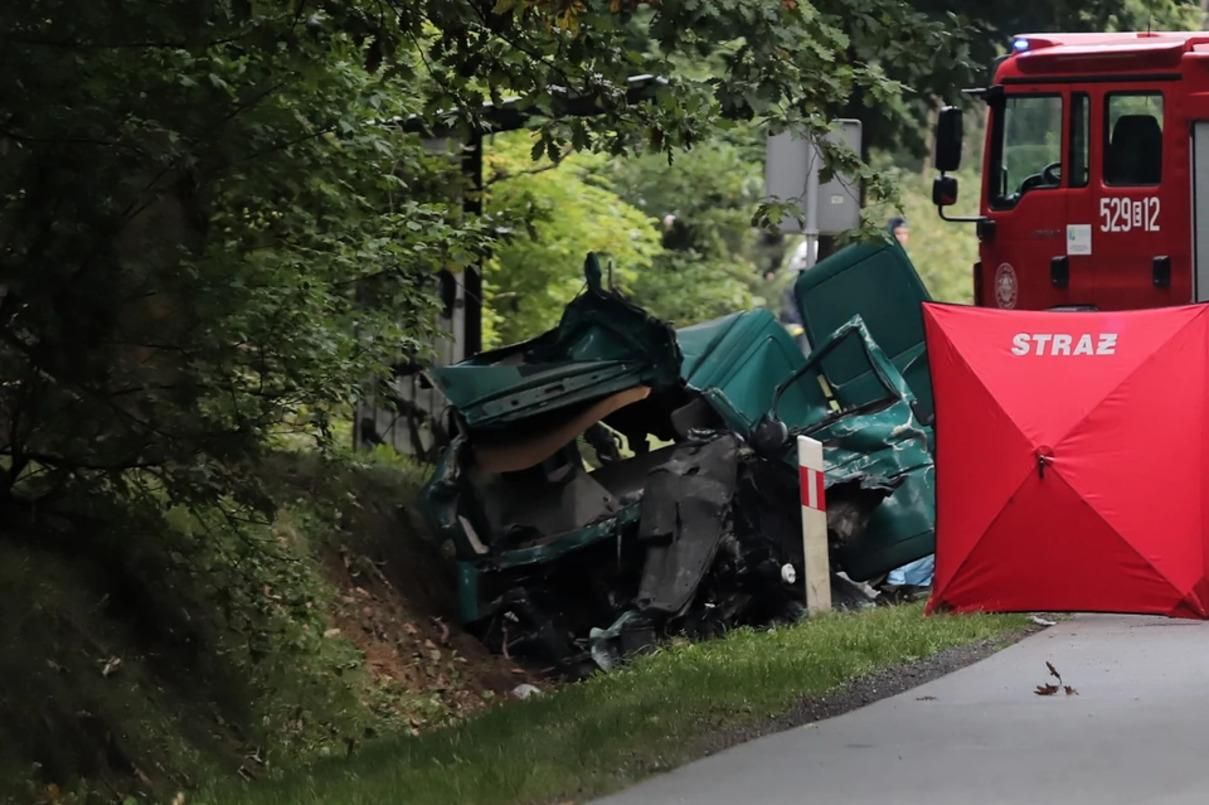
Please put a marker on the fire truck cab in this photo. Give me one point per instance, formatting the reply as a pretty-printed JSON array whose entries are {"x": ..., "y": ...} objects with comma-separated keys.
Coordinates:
[{"x": 1095, "y": 173}]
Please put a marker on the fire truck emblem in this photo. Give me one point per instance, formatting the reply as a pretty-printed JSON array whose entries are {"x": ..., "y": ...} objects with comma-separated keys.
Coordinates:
[{"x": 1005, "y": 286}]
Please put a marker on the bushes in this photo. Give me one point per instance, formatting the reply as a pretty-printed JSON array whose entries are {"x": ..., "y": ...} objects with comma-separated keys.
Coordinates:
[{"x": 187, "y": 644}]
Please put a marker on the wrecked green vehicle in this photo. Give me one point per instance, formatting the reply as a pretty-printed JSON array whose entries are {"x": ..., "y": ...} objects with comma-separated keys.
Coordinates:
[{"x": 614, "y": 480}]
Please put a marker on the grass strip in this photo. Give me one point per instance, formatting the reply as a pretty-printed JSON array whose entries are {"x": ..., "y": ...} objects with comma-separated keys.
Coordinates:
[{"x": 609, "y": 731}]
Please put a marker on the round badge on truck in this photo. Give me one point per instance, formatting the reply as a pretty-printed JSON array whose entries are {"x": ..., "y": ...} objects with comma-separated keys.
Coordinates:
[{"x": 1005, "y": 286}]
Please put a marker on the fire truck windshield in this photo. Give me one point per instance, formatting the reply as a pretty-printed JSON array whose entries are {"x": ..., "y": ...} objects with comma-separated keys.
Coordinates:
[{"x": 1026, "y": 149}]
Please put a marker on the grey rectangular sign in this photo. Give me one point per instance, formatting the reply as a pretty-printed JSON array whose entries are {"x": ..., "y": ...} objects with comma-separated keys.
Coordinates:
[{"x": 791, "y": 173}]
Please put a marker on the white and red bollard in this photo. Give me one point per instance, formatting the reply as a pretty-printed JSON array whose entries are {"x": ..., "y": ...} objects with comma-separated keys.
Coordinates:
[{"x": 816, "y": 562}]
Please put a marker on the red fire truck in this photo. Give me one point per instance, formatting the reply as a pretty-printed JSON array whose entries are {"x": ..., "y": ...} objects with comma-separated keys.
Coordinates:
[{"x": 1095, "y": 174}]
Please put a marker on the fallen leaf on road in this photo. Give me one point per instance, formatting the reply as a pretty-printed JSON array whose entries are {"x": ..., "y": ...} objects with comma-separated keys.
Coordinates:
[
  {"x": 1053, "y": 671},
  {"x": 1071, "y": 691},
  {"x": 1046, "y": 690},
  {"x": 925, "y": 699}
]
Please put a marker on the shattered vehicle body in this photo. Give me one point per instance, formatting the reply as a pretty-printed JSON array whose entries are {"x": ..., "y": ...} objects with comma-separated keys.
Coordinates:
[{"x": 614, "y": 480}]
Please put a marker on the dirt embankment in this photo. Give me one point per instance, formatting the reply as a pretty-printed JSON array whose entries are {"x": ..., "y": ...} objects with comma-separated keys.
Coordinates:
[
  {"x": 396, "y": 603},
  {"x": 413, "y": 649}
]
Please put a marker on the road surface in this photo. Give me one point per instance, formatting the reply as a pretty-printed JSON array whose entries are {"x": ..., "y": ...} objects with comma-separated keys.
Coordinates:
[{"x": 1136, "y": 732}]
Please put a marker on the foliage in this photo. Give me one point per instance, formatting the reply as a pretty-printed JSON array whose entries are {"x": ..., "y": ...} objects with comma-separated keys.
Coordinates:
[
  {"x": 207, "y": 232},
  {"x": 784, "y": 64},
  {"x": 569, "y": 210},
  {"x": 942, "y": 252},
  {"x": 703, "y": 200},
  {"x": 975, "y": 34},
  {"x": 686, "y": 287},
  {"x": 1101, "y": 15},
  {"x": 196, "y": 648},
  {"x": 580, "y": 741},
  {"x": 703, "y": 266},
  {"x": 257, "y": 605},
  {"x": 204, "y": 231},
  {"x": 73, "y": 678},
  {"x": 190, "y": 645}
]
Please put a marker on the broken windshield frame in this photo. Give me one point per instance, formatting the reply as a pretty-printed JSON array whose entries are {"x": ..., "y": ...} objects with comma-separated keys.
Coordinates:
[
  {"x": 854, "y": 328},
  {"x": 1026, "y": 147}
]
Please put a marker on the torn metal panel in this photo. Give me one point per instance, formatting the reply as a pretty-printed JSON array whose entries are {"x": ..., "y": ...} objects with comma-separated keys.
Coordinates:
[
  {"x": 735, "y": 364},
  {"x": 849, "y": 594},
  {"x": 603, "y": 345},
  {"x": 502, "y": 526},
  {"x": 849, "y": 507},
  {"x": 685, "y": 515},
  {"x": 520, "y": 626},
  {"x": 871, "y": 438},
  {"x": 630, "y": 634},
  {"x": 878, "y": 453},
  {"x": 877, "y": 282}
]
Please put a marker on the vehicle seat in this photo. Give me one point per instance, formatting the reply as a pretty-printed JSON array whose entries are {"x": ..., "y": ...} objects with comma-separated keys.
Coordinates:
[{"x": 1135, "y": 152}]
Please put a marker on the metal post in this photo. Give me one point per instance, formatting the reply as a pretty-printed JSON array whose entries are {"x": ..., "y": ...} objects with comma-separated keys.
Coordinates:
[{"x": 811, "y": 202}]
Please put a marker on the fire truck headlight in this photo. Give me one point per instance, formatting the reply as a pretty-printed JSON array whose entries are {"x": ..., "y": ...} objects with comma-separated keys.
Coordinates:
[{"x": 1020, "y": 45}]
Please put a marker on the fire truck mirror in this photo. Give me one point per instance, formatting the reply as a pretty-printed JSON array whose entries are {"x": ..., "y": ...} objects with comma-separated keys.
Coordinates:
[
  {"x": 948, "y": 139},
  {"x": 944, "y": 191}
]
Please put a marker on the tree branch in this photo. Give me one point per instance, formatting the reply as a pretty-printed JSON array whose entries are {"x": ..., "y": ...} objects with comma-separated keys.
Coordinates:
[
  {"x": 151, "y": 44},
  {"x": 501, "y": 176},
  {"x": 63, "y": 463},
  {"x": 26, "y": 138}
]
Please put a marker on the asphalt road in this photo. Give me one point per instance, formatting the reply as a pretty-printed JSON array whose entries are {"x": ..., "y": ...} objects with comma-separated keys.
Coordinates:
[{"x": 1136, "y": 732}]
